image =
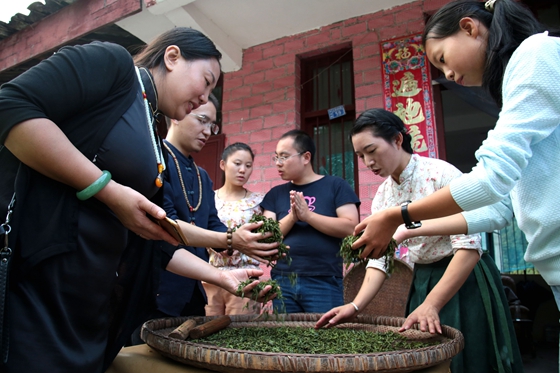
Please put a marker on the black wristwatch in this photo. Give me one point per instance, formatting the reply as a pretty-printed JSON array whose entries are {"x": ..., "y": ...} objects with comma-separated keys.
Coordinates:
[{"x": 407, "y": 223}]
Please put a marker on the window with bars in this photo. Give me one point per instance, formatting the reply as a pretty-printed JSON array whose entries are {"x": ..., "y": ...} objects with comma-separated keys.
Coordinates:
[
  {"x": 328, "y": 82},
  {"x": 509, "y": 248}
]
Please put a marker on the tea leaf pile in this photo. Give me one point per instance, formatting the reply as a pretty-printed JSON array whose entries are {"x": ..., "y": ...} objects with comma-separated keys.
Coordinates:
[
  {"x": 300, "y": 340},
  {"x": 271, "y": 225},
  {"x": 255, "y": 295},
  {"x": 350, "y": 256}
]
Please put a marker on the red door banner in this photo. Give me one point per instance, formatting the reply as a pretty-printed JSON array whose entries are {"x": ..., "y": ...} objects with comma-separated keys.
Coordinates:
[{"x": 407, "y": 90}]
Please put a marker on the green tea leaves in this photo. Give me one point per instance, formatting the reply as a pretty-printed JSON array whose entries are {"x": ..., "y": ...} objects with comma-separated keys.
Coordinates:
[
  {"x": 300, "y": 340},
  {"x": 350, "y": 256}
]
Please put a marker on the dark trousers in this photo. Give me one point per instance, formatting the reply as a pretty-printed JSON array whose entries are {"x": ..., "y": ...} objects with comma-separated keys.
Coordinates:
[{"x": 194, "y": 308}]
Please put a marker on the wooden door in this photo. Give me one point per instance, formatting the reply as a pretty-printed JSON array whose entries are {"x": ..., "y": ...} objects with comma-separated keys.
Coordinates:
[{"x": 209, "y": 158}]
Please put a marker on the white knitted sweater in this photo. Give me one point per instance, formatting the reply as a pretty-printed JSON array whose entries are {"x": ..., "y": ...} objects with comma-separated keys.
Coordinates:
[{"x": 521, "y": 157}]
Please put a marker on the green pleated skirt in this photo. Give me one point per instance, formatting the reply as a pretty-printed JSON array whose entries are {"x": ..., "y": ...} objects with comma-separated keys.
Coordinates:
[{"x": 480, "y": 311}]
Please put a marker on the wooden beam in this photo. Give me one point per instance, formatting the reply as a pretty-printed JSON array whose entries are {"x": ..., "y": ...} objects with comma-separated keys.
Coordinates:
[{"x": 58, "y": 29}]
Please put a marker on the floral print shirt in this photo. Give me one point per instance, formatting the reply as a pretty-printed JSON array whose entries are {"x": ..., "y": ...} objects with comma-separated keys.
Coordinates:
[
  {"x": 232, "y": 214},
  {"x": 422, "y": 177}
]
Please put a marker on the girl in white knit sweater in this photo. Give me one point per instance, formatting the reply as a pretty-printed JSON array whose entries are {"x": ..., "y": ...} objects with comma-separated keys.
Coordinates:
[{"x": 500, "y": 46}]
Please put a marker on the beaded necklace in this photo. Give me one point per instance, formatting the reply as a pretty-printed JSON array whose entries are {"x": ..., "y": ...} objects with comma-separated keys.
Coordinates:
[
  {"x": 155, "y": 143},
  {"x": 155, "y": 92},
  {"x": 178, "y": 166}
]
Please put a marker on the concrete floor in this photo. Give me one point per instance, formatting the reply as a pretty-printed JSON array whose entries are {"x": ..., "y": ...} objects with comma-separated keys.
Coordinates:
[{"x": 545, "y": 361}]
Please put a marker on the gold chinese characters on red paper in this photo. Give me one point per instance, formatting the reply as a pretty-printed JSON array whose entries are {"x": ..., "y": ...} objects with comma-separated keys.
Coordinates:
[{"x": 408, "y": 92}]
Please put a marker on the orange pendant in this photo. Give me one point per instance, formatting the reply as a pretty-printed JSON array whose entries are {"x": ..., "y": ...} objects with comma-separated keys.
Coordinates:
[
  {"x": 159, "y": 181},
  {"x": 159, "y": 178}
]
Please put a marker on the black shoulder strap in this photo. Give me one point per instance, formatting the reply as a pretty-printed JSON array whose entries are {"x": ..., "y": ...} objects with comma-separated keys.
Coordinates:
[{"x": 5, "y": 259}]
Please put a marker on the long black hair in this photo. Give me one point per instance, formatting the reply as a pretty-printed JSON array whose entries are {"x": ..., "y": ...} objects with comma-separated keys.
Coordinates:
[
  {"x": 384, "y": 124},
  {"x": 214, "y": 100},
  {"x": 508, "y": 24},
  {"x": 194, "y": 45}
]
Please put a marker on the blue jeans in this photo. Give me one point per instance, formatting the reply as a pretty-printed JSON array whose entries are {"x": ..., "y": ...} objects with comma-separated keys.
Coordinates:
[{"x": 309, "y": 294}]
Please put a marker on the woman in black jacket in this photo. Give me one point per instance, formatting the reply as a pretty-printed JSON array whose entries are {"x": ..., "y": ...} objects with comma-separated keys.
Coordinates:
[{"x": 84, "y": 159}]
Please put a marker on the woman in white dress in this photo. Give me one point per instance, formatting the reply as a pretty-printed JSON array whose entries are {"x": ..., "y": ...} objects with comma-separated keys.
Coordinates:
[{"x": 236, "y": 205}]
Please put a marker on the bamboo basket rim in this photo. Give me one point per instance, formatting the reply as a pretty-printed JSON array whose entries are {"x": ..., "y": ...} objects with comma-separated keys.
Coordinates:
[{"x": 155, "y": 334}]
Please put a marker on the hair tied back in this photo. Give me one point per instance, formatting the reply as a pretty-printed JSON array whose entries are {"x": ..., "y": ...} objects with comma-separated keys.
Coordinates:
[{"x": 489, "y": 5}]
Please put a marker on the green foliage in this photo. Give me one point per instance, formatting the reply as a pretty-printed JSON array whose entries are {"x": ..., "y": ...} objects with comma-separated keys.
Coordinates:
[
  {"x": 257, "y": 289},
  {"x": 300, "y": 340},
  {"x": 350, "y": 256},
  {"x": 271, "y": 225}
]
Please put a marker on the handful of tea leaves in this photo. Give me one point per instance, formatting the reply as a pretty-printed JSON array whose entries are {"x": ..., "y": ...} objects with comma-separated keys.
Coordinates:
[
  {"x": 255, "y": 295},
  {"x": 350, "y": 256},
  {"x": 271, "y": 225},
  {"x": 257, "y": 289}
]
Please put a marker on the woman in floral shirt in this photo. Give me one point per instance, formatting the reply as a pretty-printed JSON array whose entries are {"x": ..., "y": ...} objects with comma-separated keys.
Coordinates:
[
  {"x": 453, "y": 280},
  {"x": 236, "y": 205}
]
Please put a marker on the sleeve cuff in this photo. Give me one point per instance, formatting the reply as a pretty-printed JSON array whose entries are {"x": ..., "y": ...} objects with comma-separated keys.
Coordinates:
[
  {"x": 377, "y": 264},
  {"x": 468, "y": 192}
]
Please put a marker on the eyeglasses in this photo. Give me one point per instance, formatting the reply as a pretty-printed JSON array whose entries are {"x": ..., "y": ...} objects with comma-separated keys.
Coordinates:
[
  {"x": 281, "y": 160},
  {"x": 205, "y": 121}
]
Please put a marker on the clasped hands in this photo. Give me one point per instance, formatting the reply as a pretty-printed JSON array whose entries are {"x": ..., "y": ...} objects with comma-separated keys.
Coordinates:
[{"x": 299, "y": 210}]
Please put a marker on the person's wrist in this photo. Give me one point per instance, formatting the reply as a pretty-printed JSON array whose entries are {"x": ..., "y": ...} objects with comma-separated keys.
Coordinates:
[
  {"x": 306, "y": 216},
  {"x": 229, "y": 241},
  {"x": 294, "y": 217},
  {"x": 435, "y": 302},
  {"x": 393, "y": 215},
  {"x": 95, "y": 187},
  {"x": 355, "y": 306},
  {"x": 111, "y": 195},
  {"x": 408, "y": 223}
]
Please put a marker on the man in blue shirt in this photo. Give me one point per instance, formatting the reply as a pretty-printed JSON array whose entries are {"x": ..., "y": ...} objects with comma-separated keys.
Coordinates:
[{"x": 315, "y": 212}]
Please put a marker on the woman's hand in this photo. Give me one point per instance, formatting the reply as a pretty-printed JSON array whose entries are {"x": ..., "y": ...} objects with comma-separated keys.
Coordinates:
[
  {"x": 455, "y": 275},
  {"x": 401, "y": 234},
  {"x": 131, "y": 208},
  {"x": 427, "y": 316},
  {"x": 247, "y": 242},
  {"x": 378, "y": 231},
  {"x": 230, "y": 281},
  {"x": 337, "y": 316}
]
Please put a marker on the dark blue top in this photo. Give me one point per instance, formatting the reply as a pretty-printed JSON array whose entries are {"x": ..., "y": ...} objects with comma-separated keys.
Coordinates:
[
  {"x": 313, "y": 253},
  {"x": 174, "y": 290}
]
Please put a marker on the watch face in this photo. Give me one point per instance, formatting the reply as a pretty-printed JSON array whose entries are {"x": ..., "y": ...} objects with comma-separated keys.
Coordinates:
[{"x": 414, "y": 225}]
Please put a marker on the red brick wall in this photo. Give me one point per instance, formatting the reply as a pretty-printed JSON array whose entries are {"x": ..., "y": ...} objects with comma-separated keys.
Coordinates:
[{"x": 262, "y": 100}]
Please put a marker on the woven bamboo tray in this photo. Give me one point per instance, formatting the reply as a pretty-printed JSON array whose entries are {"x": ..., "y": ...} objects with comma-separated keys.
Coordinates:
[
  {"x": 155, "y": 334},
  {"x": 390, "y": 299}
]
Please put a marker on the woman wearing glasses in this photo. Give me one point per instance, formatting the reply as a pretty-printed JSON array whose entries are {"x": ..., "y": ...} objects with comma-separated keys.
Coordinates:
[{"x": 189, "y": 197}]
